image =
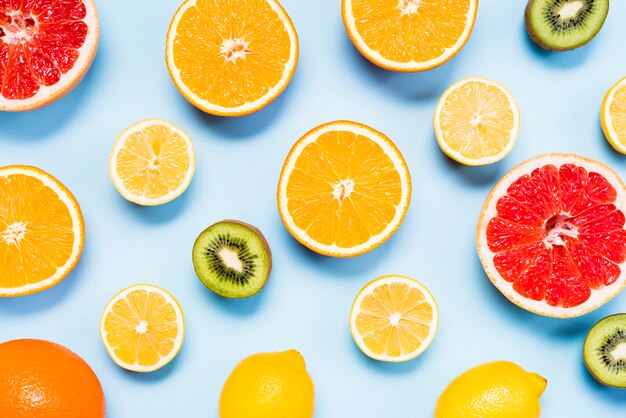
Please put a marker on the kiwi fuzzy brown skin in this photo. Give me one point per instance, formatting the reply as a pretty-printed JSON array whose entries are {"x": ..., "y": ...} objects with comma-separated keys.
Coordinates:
[
  {"x": 590, "y": 369},
  {"x": 537, "y": 40},
  {"x": 266, "y": 246}
]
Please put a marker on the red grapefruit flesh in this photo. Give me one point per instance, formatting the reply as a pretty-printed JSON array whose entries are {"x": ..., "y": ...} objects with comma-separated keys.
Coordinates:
[
  {"x": 46, "y": 47},
  {"x": 551, "y": 235}
]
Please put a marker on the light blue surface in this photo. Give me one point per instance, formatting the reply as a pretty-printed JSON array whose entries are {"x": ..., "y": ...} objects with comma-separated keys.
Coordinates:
[{"x": 308, "y": 298}]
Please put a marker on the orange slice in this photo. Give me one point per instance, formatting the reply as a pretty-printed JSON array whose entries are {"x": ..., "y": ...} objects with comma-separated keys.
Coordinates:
[
  {"x": 42, "y": 232},
  {"x": 613, "y": 116},
  {"x": 409, "y": 35},
  {"x": 152, "y": 162},
  {"x": 394, "y": 318},
  {"x": 231, "y": 58},
  {"x": 142, "y": 328},
  {"x": 344, "y": 189},
  {"x": 477, "y": 121}
]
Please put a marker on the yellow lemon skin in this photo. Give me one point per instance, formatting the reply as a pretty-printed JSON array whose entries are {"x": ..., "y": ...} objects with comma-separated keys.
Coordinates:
[
  {"x": 269, "y": 385},
  {"x": 499, "y": 389}
]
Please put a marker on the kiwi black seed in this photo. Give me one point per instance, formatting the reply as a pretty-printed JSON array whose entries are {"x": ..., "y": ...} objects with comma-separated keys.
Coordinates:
[
  {"x": 562, "y": 25},
  {"x": 605, "y": 351},
  {"x": 233, "y": 259}
]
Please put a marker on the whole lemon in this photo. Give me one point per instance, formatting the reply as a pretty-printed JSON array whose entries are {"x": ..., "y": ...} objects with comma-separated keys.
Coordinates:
[
  {"x": 499, "y": 389},
  {"x": 43, "y": 379},
  {"x": 269, "y": 385}
]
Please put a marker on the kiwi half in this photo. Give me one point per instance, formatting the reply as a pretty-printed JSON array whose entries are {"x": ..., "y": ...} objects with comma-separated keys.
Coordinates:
[
  {"x": 605, "y": 351},
  {"x": 233, "y": 259},
  {"x": 562, "y": 25}
]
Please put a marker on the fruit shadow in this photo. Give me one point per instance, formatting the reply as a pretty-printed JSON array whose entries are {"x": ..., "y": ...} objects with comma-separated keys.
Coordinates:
[
  {"x": 558, "y": 59},
  {"x": 247, "y": 127},
  {"x": 49, "y": 298},
  {"x": 409, "y": 86},
  {"x": 609, "y": 394},
  {"x": 158, "y": 214},
  {"x": 388, "y": 367},
  {"x": 340, "y": 267},
  {"x": 157, "y": 375},
  {"x": 238, "y": 307},
  {"x": 565, "y": 329},
  {"x": 476, "y": 176},
  {"x": 36, "y": 125}
]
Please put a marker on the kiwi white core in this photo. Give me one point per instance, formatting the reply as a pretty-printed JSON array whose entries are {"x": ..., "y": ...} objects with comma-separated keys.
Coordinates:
[
  {"x": 409, "y": 6},
  {"x": 619, "y": 353},
  {"x": 14, "y": 233},
  {"x": 231, "y": 259},
  {"x": 570, "y": 10}
]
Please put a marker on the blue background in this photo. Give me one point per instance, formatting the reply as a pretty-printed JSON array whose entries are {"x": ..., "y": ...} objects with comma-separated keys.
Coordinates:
[{"x": 307, "y": 300}]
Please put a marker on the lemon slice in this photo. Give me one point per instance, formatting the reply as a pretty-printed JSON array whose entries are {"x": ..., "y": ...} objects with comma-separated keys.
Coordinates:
[
  {"x": 152, "y": 162},
  {"x": 477, "y": 121},
  {"x": 142, "y": 328},
  {"x": 394, "y": 318},
  {"x": 613, "y": 116}
]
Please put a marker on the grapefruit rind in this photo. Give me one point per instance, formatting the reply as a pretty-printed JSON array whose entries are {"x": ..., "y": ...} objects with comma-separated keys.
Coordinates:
[
  {"x": 390, "y": 150},
  {"x": 411, "y": 66},
  {"x": 119, "y": 145},
  {"x": 607, "y": 119},
  {"x": 368, "y": 290},
  {"x": 78, "y": 225},
  {"x": 178, "y": 342},
  {"x": 489, "y": 211},
  {"x": 49, "y": 94},
  {"x": 457, "y": 156},
  {"x": 245, "y": 109}
]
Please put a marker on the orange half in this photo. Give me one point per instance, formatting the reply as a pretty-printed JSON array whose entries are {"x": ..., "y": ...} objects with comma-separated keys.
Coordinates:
[
  {"x": 42, "y": 232},
  {"x": 344, "y": 189},
  {"x": 409, "y": 35},
  {"x": 231, "y": 58}
]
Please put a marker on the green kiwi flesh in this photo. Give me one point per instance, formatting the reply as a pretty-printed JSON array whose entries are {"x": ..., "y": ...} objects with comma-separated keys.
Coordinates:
[
  {"x": 561, "y": 25},
  {"x": 605, "y": 351},
  {"x": 233, "y": 259}
]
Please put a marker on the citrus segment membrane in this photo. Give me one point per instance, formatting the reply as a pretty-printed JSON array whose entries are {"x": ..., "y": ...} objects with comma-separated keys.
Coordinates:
[
  {"x": 41, "y": 231},
  {"x": 231, "y": 58},
  {"x": 344, "y": 189},
  {"x": 41, "y": 42},
  {"x": 409, "y": 35},
  {"x": 554, "y": 231},
  {"x": 394, "y": 318}
]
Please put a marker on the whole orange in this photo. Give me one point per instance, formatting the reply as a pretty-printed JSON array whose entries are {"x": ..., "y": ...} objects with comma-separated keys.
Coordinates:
[{"x": 42, "y": 379}]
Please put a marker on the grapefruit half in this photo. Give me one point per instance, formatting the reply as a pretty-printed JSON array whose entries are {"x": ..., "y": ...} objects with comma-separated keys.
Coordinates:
[
  {"x": 46, "y": 47},
  {"x": 551, "y": 235}
]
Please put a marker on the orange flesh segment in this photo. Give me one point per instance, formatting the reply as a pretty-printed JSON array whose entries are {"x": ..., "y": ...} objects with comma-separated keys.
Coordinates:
[
  {"x": 490, "y": 110},
  {"x": 331, "y": 165},
  {"x": 48, "y": 237},
  {"x": 374, "y": 323},
  {"x": 558, "y": 235},
  {"x": 410, "y": 30},
  {"x": 214, "y": 73},
  {"x": 153, "y": 161},
  {"x": 142, "y": 308}
]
